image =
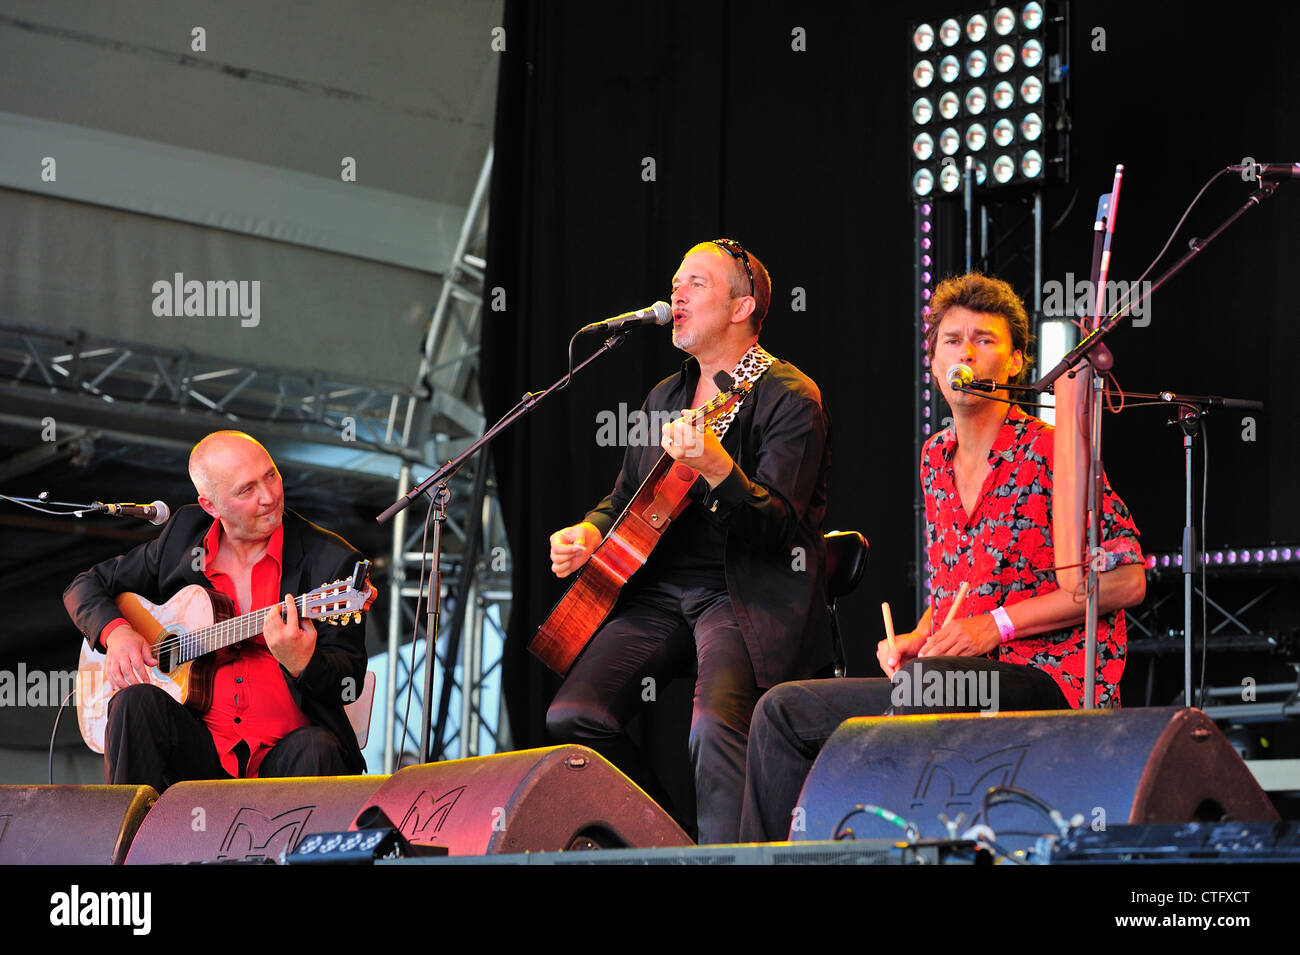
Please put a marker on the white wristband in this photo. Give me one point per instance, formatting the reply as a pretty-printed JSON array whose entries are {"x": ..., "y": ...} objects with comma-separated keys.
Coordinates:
[{"x": 1005, "y": 627}]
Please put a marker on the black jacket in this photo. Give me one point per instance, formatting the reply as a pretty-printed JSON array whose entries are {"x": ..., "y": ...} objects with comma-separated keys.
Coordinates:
[
  {"x": 770, "y": 508},
  {"x": 312, "y": 556}
]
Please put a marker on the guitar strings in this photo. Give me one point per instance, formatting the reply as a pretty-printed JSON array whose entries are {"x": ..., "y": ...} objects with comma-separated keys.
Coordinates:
[{"x": 193, "y": 644}]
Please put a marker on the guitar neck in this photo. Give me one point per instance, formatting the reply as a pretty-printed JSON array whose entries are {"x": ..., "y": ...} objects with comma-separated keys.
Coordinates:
[{"x": 227, "y": 633}]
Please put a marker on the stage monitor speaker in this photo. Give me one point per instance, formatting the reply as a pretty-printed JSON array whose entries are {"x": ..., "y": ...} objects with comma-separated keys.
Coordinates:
[
  {"x": 246, "y": 820},
  {"x": 536, "y": 800},
  {"x": 70, "y": 825},
  {"x": 1112, "y": 767}
]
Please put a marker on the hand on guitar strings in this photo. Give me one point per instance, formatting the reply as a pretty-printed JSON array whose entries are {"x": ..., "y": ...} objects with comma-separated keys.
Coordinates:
[
  {"x": 571, "y": 546},
  {"x": 698, "y": 448},
  {"x": 290, "y": 640},
  {"x": 128, "y": 657}
]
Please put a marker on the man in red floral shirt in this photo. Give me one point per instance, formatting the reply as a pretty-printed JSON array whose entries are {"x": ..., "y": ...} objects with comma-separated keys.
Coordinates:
[{"x": 988, "y": 486}]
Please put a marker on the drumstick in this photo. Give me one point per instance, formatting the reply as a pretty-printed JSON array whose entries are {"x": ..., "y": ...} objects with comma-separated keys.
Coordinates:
[
  {"x": 956, "y": 604},
  {"x": 889, "y": 623}
]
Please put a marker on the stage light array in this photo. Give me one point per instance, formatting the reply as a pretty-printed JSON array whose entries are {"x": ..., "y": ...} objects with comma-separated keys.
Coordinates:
[
  {"x": 987, "y": 84},
  {"x": 1257, "y": 557}
]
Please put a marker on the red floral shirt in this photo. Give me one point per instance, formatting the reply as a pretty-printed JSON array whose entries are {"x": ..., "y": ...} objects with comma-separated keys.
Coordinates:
[{"x": 1005, "y": 550}]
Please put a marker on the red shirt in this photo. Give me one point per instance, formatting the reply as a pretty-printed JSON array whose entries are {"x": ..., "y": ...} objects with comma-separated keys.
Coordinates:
[
  {"x": 1005, "y": 550},
  {"x": 250, "y": 700}
]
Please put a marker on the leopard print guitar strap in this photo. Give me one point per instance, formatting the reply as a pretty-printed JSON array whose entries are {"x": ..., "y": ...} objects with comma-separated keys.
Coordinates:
[{"x": 748, "y": 370}]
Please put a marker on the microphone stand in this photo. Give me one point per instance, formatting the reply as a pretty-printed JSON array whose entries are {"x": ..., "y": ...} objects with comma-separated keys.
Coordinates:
[
  {"x": 1092, "y": 350},
  {"x": 41, "y": 502},
  {"x": 438, "y": 510},
  {"x": 1191, "y": 409}
]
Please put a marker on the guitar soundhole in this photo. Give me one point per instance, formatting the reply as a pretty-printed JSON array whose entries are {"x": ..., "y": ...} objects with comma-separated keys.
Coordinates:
[{"x": 164, "y": 652}]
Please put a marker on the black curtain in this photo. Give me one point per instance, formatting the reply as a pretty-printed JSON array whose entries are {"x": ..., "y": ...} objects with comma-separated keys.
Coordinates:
[{"x": 627, "y": 132}]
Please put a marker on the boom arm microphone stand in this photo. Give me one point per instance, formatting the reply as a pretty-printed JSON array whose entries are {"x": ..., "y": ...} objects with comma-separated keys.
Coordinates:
[
  {"x": 1092, "y": 350},
  {"x": 442, "y": 495}
]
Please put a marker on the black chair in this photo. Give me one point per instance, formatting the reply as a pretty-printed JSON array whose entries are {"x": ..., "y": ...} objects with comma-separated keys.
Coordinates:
[{"x": 846, "y": 563}]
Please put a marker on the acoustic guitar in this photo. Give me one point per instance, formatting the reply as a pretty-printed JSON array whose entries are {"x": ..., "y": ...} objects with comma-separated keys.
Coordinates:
[
  {"x": 625, "y": 549},
  {"x": 188, "y": 629}
]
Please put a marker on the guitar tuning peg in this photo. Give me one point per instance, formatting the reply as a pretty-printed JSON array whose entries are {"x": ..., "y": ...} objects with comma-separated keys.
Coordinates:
[
  {"x": 332, "y": 621},
  {"x": 356, "y": 617}
]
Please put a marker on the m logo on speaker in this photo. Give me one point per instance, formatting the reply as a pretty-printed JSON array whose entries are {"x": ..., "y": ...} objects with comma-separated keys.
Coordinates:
[
  {"x": 952, "y": 781},
  {"x": 427, "y": 819},
  {"x": 252, "y": 834}
]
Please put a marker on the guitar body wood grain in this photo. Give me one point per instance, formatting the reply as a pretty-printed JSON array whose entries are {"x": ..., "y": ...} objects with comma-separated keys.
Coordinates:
[
  {"x": 191, "y": 608},
  {"x": 624, "y": 551}
]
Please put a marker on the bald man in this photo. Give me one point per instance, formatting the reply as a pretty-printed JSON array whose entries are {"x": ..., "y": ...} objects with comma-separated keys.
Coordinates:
[{"x": 277, "y": 700}]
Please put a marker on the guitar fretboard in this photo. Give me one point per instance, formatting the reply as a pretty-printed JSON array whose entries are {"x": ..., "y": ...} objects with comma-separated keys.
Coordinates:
[{"x": 227, "y": 633}]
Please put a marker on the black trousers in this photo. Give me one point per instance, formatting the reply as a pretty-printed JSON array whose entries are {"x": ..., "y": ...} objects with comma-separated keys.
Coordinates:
[
  {"x": 152, "y": 740},
  {"x": 793, "y": 721},
  {"x": 621, "y": 670}
]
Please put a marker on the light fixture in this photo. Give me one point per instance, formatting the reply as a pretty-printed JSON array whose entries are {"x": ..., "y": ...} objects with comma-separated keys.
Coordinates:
[
  {"x": 1003, "y": 66},
  {"x": 949, "y": 177}
]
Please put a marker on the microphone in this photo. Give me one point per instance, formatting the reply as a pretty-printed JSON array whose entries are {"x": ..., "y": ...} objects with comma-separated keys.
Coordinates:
[
  {"x": 960, "y": 376},
  {"x": 1268, "y": 170},
  {"x": 155, "y": 513},
  {"x": 963, "y": 379},
  {"x": 660, "y": 313}
]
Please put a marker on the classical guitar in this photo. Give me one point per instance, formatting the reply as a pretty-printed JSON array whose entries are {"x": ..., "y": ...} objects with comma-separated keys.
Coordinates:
[
  {"x": 625, "y": 549},
  {"x": 188, "y": 629}
]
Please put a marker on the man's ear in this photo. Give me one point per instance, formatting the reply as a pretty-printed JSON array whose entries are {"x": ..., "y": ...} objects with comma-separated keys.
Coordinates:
[
  {"x": 743, "y": 308},
  {"x": 1017, "y": 363},
  {"x": 208, "y": 506}
]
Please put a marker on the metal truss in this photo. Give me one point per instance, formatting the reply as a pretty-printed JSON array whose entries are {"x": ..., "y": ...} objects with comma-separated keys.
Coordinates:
[
  {"x": 470, "y": 674},
  {"x": 138, "y": 389},
  {"x": 1238, "y": 616},
  {"x": 469, "y": 718},
  {"x": 1240, "y": 619}
]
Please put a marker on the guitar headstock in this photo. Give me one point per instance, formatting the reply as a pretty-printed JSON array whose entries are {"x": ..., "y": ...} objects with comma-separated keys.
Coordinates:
[{"x": 336, "y": 602}]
